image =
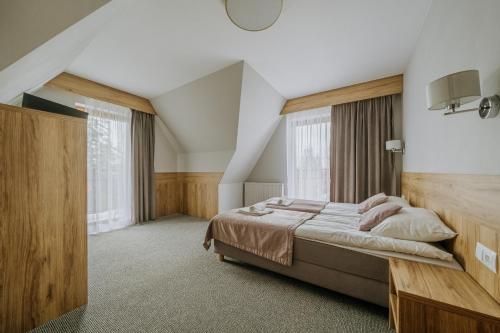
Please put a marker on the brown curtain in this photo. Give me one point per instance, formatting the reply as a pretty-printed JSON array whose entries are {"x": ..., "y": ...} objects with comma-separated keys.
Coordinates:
[
  {"x": 143, "y": 147},
  {"x": 360, "y": 165}
]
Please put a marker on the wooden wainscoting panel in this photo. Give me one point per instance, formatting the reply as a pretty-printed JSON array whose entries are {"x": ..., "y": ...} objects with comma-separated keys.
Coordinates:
[
  {"x": 167, "y": 194},
  {"x": 191, "y": 193},
  {"x": 198, "y": 193},
  {"x": 366, "y": 90},
  {"x": 43, "y": 217},
  {"x": 88, "y": 88},
  {"x": 470, "y": 205}
]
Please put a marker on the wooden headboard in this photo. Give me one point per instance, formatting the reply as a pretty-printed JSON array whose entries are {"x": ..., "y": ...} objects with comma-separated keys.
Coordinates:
[{"x": 470, "y": 205}]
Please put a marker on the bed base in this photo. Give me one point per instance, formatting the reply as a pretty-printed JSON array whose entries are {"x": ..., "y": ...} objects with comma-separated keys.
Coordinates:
[{"x": 356, "y": 274}]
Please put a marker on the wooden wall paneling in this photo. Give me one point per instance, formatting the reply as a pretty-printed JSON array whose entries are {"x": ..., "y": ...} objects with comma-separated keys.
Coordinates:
[
  {"x": 88, "y": 88},
  {"x": 190, "y": 193},
  {"x": 212, "y": 197},
  {"x": 167, "y": 194},
  {"x": 43, "y": 217},
  {"x": 371, "y": 89},
  {"x": 469, "y": 204},
  {"x": 199, "y": 193},
  {"x": 183, "y": 192},
  {"x": 189, "y": 198}
]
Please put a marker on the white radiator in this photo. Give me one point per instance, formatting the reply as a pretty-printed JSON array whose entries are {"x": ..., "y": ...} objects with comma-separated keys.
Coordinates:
[{"x": 256, "y": 192}]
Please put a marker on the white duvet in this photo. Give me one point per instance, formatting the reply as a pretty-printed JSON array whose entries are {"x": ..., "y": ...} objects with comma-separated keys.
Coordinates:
[{"x": 339, "y": 224}]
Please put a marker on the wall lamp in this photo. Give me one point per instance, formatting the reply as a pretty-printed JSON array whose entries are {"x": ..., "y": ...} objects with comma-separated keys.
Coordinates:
[
  {"x": 395, "y": 146},
  {"x": 452, "y": 91}
]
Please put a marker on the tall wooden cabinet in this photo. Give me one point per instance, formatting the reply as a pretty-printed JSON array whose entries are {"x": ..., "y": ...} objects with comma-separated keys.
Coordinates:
[{"x": 43, "y": 213}]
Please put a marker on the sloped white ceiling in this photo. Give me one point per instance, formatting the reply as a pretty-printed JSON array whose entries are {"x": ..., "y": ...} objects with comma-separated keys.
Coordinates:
[
  {"x": 203, "y": 115},
  {"x": 156, "y": 46},
  {"x": 259, "y": 115},
  {"x": 53, "y": 56},
  {"x": 26, "y": 25}
]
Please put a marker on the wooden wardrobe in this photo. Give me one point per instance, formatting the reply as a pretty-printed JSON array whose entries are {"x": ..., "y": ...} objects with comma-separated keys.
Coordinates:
[{"x": 43, "y": 216}]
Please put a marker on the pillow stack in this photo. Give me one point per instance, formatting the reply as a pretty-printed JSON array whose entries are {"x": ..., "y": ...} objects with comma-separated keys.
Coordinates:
[
  {"x": 380, "y": 198},
  {"x": 394, "y": 217},
  {"x": 371, "y": 202},
  {"x": 377, "y": 214}
]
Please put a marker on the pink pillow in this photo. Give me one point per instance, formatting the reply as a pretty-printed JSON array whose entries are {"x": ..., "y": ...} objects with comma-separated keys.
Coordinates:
[
  {"x": 371, "y": 202},
  {"x": 377, "y": 214}
]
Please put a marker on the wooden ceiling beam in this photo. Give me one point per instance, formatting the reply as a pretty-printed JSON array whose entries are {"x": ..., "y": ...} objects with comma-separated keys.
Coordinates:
[
  {"x": 88, "y": 88},
  {"x": 371, "y": 89}
]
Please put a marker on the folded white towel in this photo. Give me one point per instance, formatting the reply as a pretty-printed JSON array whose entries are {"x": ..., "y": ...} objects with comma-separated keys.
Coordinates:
[
  {"x": 280, "y": 201},
  {"x": 258, "y": 206},
  {"x": 254, "y": 212}
]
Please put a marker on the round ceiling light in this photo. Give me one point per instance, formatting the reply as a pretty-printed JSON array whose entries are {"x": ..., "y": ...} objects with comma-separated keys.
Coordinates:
[{"x": 253, "y": 15}]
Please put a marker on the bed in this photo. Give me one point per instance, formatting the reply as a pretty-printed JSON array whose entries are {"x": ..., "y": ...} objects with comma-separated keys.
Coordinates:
[{"x": 335, "y": 264}]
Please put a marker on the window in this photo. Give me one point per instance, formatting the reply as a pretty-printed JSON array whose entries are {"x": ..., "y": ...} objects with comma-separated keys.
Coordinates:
[
  {"x": 308, "y": 155},
  {"x": 108, "y": 166}
]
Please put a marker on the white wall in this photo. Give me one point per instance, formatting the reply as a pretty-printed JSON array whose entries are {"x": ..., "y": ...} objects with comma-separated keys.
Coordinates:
[
  {"x": 271, "y": 166},
  {"x": 230, "y": 196},
  {"x": 167, "y": 149},
  {"x": 215, "y": 161},
  {"x": 458, "y": 35},
  {"x": 165, "y": 154}
]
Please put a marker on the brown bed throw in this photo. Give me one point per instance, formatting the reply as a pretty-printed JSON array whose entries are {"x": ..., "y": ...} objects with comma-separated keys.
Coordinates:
[
  {"x": 269, "y": 236},
  {"x": 299, "y": 205}
]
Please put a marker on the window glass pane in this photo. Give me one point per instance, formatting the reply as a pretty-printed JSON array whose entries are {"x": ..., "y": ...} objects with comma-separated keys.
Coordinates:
[
  {"x": 308, "y": 155},
  {"x": 108, "y": 166}
]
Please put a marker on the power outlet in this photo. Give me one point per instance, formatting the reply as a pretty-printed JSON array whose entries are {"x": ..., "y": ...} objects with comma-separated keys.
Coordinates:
[{"x": 487, "y": 257}]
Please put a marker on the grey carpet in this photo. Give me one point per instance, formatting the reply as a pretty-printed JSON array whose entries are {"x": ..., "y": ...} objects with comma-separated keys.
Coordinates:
[{"x": 158, "y": 278}]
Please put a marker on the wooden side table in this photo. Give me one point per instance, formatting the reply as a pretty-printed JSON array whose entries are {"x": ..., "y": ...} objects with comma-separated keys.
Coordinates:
[{"x": 429, "y": 298}]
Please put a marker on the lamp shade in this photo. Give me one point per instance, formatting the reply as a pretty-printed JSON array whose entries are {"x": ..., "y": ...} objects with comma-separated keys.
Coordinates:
[
  {"x": 253, "y": 15},
  {"x": 453, "y": 90}
]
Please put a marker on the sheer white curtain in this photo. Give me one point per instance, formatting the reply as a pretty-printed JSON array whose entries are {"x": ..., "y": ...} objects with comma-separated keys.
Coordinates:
[
  {"x": 308, "y": 154},
  {"x": 108, "y": 166}
]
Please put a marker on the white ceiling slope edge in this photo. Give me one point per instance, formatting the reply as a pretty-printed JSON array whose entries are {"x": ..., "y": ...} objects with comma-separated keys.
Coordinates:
[
  {"x": 260, "y": 106},
  {"x": 167, "y": 134},
  {"x": 25, "y": 25},
  {"x": 156, "y": 46},
  {"x": 52, "y": 57}
]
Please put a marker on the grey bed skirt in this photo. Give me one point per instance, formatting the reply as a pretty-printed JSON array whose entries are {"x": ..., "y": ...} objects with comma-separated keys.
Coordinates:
[{"x": 353, "y": 273}]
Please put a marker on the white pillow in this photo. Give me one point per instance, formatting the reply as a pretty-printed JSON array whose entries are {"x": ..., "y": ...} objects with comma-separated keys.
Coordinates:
[
  {"x": 417, "y": 224},
  {"x": 399, "y": 201}
]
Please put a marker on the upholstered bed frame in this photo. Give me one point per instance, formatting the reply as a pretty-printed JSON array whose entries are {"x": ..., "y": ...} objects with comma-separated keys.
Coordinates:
[{"x": 349, "y": 272}]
